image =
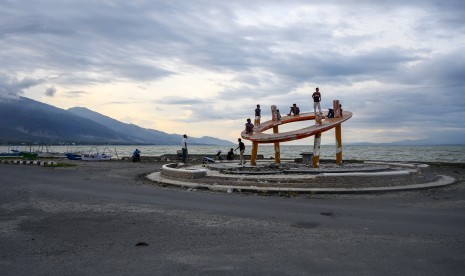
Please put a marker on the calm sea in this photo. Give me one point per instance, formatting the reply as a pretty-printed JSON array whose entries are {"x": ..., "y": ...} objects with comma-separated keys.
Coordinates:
[{"x": 454, "y": 154}]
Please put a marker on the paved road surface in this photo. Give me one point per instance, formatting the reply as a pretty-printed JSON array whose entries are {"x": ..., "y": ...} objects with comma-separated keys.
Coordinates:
[{"x": 88, "y": 220}]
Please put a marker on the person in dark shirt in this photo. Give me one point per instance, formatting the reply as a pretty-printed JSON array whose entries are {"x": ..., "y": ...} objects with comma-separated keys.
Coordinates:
[
  {"x": 316, "y": 100},
  {"x": 218, "y": 155},
  {"x": 230, "y": 155},
  {"x": 258, "y": 114},
  {"x": 249, "y": 127},
  {"x": 241, "y": 148},
  {"x": 294, "y": 110},
  {"x": 136, "y": 156}
]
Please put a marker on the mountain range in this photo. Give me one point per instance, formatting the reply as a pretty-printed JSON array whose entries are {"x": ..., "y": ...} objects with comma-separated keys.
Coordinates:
[{"x": 24, "y": 120}]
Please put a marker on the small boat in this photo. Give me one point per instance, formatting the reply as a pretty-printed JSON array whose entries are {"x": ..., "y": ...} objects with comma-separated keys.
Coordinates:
[
  {"x": 11, "y": 152},
  {"x": 14, "y": 152},
  {"x": 73, "y": 156},
  {"x": 95, "y": 155}
]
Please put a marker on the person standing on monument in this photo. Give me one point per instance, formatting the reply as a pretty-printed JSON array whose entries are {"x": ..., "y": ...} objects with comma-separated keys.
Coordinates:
[
  {"x": 294, "y": 110},
  {"x": 249, "y": 127},
  {"x": 258, "y": 114},
  {"x": 316, "y": 100}
]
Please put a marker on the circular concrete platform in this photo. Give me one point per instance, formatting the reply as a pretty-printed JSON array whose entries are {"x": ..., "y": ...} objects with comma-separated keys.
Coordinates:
[{"x": 299, "y": 178}]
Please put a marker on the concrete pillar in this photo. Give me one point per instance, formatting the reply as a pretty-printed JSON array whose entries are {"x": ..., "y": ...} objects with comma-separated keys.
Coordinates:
[
  {"x": 277, "y": 151},
  {"x": 274, "y": 113},
  {"x": 274, "y": 118},
  {"x": 253, "y": 158},
  {"x": 337, "y": 109},
  {"x": 318, "y": 120},
  {"x": 337, "y": 130},
  {"x": 316, "y": 151}
]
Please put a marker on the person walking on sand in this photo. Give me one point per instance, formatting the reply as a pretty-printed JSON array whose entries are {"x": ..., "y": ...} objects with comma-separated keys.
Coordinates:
[
  {"x": 249, "y": 127},
  {"x": 241, "y": 148},
  {"x": 184, "y": 148},
  {"x": 316, "y": 100},
  {"x": 258, "y": 114}
]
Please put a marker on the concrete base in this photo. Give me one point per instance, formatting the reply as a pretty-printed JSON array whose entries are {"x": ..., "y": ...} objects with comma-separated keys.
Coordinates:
[
  {"x": 395, "y": 177},
  {"x": 174, "y": 170}
]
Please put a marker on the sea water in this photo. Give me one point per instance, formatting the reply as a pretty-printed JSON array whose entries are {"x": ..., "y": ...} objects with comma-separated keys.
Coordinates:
[{"x": 455, "y": 154}]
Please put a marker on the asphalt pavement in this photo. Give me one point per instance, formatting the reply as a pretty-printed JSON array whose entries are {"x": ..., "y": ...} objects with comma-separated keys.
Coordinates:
[{"x": 109, "y": 220}]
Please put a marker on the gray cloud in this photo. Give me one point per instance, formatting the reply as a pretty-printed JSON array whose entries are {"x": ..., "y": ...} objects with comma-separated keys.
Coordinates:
[
  {"x": 50, "y": 92},
  {"x": 75, "y": 94},
  {"x": 446, "y": 70},
  {"x": 91, "y": 42},
  {"x": 327, "y": 66},
  {"x": 12, "y": 87},
  {"x": 211, "y": 112}
]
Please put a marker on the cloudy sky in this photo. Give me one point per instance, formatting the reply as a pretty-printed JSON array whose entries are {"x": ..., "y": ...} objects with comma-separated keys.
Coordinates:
[{"x": 200, "y": 67}]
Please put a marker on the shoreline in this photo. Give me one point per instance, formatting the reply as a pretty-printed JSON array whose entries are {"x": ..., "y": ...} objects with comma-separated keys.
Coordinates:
[
  {"x": 138, "y": 172},
  {"x": 448, "y": 153}
]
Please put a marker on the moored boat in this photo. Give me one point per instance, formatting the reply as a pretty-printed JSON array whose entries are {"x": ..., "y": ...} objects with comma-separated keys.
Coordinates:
[
  {"x": 73, "y": 156},
  {"x": 14, "y": 152},
  {"x": 95, "y": 155},
  {"x": 11, "y": 152}
]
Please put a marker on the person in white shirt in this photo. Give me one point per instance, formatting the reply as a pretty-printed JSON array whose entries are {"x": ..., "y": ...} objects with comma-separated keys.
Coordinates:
[{"x": 184, "y": 148}]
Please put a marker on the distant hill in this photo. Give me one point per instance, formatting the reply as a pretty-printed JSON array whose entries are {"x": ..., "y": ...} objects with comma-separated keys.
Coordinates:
[
  {"x": 142, "y": 135},
  {"x": 24, "y": 120}
]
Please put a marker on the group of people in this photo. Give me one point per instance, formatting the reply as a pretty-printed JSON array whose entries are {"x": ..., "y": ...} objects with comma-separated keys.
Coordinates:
[
  {"x": 229, "y": 156},
  {"x": 249, "y": 127},
  {"x": 294, "y": 110},
  {"x": 231, "y": 153}
]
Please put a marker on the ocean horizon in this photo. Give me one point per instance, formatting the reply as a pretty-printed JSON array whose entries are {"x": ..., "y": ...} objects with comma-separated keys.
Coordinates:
[{"x": 450, "y": 153}]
